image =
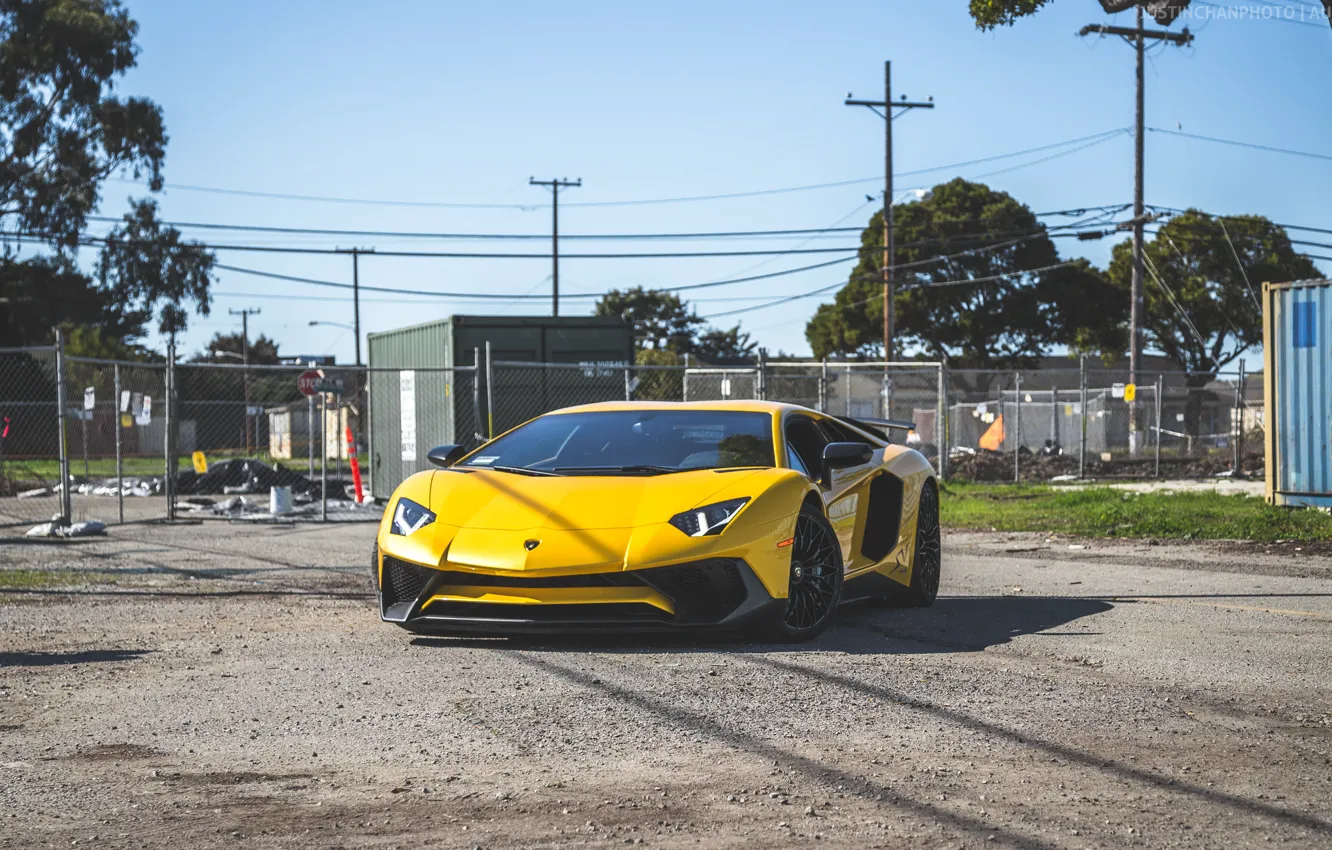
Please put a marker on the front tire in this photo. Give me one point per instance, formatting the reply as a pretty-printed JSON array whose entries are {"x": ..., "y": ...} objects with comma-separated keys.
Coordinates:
[{"x": 815, "y": 577}]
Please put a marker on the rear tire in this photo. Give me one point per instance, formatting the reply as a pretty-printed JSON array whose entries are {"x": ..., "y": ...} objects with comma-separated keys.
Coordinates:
[
  {"x": 927, "y": 559},
  {"x": 815, "y": 580}
]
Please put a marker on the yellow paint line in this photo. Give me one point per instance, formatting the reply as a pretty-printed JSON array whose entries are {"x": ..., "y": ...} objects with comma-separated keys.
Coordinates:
[{"x": 1233, "y": 606}]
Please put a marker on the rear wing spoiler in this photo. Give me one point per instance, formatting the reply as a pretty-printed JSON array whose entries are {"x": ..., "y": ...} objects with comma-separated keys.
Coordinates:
[{"x": 881, "y": 426}]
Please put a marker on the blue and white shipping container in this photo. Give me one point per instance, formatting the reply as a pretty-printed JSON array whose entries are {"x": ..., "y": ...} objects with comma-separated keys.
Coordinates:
[{"x": 1297, "y": 348}]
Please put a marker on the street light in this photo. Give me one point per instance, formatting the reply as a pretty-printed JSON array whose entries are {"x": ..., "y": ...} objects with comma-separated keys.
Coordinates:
[{"x": 332, "y": 325}]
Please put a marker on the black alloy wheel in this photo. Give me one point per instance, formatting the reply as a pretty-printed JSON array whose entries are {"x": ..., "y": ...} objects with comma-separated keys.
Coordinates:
[
  {"x": 815, "y": 578},
  {"x": 927, "y": 562}
]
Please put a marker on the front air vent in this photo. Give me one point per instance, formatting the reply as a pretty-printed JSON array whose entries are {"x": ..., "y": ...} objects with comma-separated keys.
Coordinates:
[{"x": 402, "y": 582}]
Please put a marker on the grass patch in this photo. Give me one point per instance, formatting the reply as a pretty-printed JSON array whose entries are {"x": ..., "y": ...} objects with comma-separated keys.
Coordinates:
[
  {"x": 1107, "y": 512},
  {"x": 36, "y": 579}
]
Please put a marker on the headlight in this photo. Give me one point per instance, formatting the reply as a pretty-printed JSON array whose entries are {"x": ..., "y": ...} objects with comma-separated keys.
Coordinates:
[
  {"x": 409, "y": 518},
  {"x": 710, "y": 519}
]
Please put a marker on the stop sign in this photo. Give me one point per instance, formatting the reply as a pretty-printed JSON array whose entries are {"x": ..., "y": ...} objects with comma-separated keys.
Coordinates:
[{"x": 306, "y": 382}]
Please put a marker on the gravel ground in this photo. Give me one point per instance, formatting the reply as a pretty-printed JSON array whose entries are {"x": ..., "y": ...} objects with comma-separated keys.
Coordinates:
[{"x": 212, "y": 685}]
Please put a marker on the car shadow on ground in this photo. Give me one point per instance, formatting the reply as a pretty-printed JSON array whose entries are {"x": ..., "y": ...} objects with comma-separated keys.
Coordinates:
[
  {"x": 58, "y": 659},
  {"x": 952, "y": 624}
]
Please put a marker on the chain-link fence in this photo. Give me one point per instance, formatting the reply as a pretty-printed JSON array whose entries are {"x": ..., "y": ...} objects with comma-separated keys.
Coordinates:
[
  {"x": 29, "y": 443},
  {"x": 412, "y": 411},
  {"x": 151, "y": 441}
]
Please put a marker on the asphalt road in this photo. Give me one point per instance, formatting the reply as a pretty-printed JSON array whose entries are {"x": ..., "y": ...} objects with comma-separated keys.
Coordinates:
[{"x": 212, "y": 685}]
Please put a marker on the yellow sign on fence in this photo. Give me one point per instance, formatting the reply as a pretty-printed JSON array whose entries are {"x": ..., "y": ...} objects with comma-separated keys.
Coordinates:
[
  {"x": 1130, "y": 392},
  {"x": 200, "y": 462}
]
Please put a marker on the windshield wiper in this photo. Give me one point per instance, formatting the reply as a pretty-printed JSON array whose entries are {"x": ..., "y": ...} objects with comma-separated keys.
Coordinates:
[
  {"x": 630, "y": 469},
  {"x": 518, "y": 470}
]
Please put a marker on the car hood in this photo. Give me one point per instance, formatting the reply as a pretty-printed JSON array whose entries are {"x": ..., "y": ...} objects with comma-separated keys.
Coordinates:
[{"x": 501, "y": 501}]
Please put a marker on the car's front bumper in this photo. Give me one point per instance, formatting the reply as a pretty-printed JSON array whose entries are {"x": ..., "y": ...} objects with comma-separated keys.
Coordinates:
[{"x": 711, "y": 593}]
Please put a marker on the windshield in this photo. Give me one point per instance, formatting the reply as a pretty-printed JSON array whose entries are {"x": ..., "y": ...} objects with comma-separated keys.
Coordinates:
[{"x": 633, "y": 441}]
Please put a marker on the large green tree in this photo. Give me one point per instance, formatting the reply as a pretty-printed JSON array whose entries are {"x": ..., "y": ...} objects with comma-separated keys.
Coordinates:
[
  {"x": 975, "y": 287},
  {"x": 1203, "y": 286},
  {"x": 64, "y": 129}
]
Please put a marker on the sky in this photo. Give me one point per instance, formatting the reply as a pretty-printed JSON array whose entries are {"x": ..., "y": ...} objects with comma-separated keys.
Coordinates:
[{"x": 460, "y": 103}]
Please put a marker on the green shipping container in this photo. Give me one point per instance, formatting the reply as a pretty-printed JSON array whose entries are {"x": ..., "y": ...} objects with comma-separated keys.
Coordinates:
[{"x": 423, "y": 393}]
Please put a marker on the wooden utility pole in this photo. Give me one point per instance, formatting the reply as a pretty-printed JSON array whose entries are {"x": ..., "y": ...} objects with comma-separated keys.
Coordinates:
[
  {"x": 1137, "y": 36},
  {"x": 887, "y": 105},
  {"x": 356, "y": 293},
  {"x": 555, "y": 186}
]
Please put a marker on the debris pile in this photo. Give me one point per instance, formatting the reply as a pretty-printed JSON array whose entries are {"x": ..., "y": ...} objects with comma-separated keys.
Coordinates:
[
  {"x": 55, "y": 528},
  {"x": 984, "y": 465},
  {"x": 245, "y": 477}
]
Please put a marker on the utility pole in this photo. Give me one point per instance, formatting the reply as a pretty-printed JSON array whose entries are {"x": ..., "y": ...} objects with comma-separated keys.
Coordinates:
[
  {"x": 245, "y": 315},
  {"x": 356, "y": 293},
  {"x": 1137, "y": 36},
  {"x": 555, "y": 185},
  {"x": 889, "y": 290}
]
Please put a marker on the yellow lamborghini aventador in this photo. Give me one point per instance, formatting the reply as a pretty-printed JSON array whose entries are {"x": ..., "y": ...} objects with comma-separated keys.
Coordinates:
[{"x": 661, "y": 515}]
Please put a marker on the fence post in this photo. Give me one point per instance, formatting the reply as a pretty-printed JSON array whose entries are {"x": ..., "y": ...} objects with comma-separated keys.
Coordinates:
[
  {"x": 823, "y": 386},
  {"x": 1082, "y": 416},
  {"x": 323, "y": 457},
  {"x": 941, "y": 423},
  {"x": 1054, "y": 417},
  {"x": 1160, "y": 386},
  {"x": 66, "y": 512},
  {"x": 369, "y": 429},
  {"x": 628, "y": 383},
  {"x": 476, "y": 395},
  {"x": 168, "y": 421},
  {"x": 490, "y": 395},
  {"x": 120, "y": 470},
  {"x": 1017, "y": 427},
  {"x": 1239, "y": 423},
  {"x": 847, "y": 393},
  {"x": 310, "y": 431},
  {"x": 762, "y": 374}
]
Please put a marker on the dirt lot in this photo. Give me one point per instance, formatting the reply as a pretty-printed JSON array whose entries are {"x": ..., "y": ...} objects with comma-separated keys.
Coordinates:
[{"x": 220, "y": 685}]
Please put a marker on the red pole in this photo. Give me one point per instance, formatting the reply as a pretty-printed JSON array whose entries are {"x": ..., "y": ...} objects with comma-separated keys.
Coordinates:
[{"x": 355, "y": 465}]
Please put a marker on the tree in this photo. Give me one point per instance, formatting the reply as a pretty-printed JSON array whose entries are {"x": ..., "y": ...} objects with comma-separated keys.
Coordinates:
[
  {"x": 64, "y": 128},
  {"x": 661, "y": 320},
  {"x": 1018, "y": 307},
  {"x": 149, "y": 266},
  {"x": 989, "y": 14},
  {"x": 63, "y": 131},
  {"x": 38, "y": 293},
  {"x": 718, "y": 346},
  {"x": 229, "y": 348},
  {"x": 1202, "y": 293}
]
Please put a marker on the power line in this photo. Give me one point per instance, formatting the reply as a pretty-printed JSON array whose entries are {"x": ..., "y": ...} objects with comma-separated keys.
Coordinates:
[
  {"x": 288, "y": 196},
  {"x": 409, "y": 234},
  {"x": 1233, "y": 143},
  {"x": 91, "y": 240},
  {"x": 876, "y": 296}
]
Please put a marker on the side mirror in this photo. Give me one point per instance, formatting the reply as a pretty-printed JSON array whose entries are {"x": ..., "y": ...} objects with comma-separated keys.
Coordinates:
[
  {"x": 842, "y": 455},
  {"x": 445, "y": 456}
]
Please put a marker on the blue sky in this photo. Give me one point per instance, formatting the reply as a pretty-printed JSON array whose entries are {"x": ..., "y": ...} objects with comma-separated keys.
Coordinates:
[{"x": 462, "y": 102}]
